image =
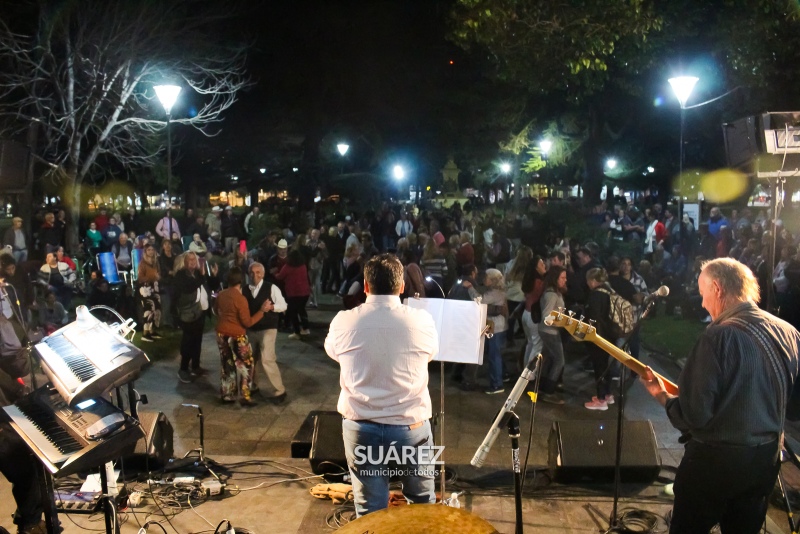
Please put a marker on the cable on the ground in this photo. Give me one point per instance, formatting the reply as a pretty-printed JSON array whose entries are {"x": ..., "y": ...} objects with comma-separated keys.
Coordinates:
[{"x": 636, "y": 521}]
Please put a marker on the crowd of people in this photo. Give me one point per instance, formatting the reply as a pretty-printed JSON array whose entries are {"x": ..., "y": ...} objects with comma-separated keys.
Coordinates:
[
  {"x": 521, "y": 267},
  {"x": 520, "y": 263}
]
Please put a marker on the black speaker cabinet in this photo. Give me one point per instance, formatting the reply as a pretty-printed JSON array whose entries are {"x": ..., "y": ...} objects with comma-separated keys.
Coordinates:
[
  {"x": 585, "y": 451},
  {"x": 155, "y": 449},
  {"x": 327, "y": 448}
]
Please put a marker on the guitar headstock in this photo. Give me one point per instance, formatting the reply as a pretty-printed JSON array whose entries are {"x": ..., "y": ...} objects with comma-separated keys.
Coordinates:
[{"x": 577, "y": 328}]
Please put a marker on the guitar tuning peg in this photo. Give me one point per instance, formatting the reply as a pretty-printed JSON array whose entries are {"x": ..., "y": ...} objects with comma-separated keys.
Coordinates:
[
  {"x": 571, "y": 314},
  {"x": 591, "y": 322},
  {"x": 581, "y": 319},
  {"x": 560, "y": 310}
]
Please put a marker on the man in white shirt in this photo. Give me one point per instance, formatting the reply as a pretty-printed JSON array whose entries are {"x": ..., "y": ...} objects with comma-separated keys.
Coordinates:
[
  {"x": 403, "y": 226},
  {"x": 262, "y": 334},
  {"x": 383, "y": 349}
]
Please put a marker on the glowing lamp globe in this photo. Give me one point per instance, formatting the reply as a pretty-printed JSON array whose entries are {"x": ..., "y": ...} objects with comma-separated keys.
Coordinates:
[
  {"x": 167, "y": 95},
  {"x": 682, "y": 86}
]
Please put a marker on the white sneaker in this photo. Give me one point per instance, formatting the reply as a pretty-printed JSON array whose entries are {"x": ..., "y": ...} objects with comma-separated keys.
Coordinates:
[
  {"x": 596, "y": 404},
  {"x": 294, "y": 336},
  {"x": 305, "y": 332}
]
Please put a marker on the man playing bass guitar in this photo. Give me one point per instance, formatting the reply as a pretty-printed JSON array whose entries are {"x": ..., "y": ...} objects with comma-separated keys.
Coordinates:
[{"x": 733, "y": 394}]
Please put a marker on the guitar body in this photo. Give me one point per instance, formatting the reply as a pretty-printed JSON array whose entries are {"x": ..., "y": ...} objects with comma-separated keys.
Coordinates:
[{"x": 581, "y": 331}]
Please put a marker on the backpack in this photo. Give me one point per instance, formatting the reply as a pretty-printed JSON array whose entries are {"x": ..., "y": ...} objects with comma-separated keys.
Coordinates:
[{"x": 620, "y": 313}]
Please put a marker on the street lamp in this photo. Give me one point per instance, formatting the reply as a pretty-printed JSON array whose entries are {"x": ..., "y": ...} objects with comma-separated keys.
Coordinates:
[
  {"x": 342, "y": 148},
  {"x": 682, "y": 87},
  {"x": 167, "y": 95},
  {"x": 262, "y": 170},
  {"x": 398, "y": 172},
  {"x": 505, "y": 167},
  {"x": 611, "y": 164},
  {"x": 545, "y": 145}
]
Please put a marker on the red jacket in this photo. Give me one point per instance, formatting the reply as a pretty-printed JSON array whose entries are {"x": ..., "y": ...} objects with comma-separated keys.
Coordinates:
[
  {"x": 295, "y": 280},
  {"x": 661, "y": 233}
]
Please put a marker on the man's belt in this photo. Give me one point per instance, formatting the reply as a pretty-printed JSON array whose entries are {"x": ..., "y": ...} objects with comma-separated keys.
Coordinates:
[{"x": 410, "y": 427}]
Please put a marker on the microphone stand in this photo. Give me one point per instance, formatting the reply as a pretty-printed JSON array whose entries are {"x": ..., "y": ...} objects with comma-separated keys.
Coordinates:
[
  {"x": 507, "y": 417},
  {"x": 613, "y": 521}
]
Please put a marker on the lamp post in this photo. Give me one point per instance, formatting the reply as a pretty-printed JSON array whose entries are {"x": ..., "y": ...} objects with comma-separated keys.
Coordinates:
[
  {"x": 342, "y": 148},
  {"x": 399, "y": 174},
  {"x": 167, "y": 95},
  {"x": 682, "y": 87}
]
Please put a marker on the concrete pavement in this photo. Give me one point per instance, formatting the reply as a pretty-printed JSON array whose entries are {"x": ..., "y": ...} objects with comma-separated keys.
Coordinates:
[{"x": 236, "y": 434}]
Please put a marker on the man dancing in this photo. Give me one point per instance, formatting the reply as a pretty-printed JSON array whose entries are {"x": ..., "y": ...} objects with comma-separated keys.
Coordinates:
[
  {"x": 733, "y": 395},
  {"x": 383, "y": 348}
]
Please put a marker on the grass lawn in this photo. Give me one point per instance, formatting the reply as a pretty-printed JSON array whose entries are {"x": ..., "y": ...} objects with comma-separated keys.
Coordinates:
[
  {"x": 671, "y": 336},
  {"x": 166, "y": 347}
]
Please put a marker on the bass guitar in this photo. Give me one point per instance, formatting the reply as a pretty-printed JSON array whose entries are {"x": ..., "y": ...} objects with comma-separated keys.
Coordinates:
[{"x": 581, "y": 331}]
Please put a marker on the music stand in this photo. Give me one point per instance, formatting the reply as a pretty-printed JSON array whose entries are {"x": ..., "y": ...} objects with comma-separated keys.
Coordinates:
[{"x": 442, "y": 327}]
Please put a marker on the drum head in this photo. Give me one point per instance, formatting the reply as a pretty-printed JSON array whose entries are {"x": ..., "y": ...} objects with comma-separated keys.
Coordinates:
[{"x": 419, "y": 519}]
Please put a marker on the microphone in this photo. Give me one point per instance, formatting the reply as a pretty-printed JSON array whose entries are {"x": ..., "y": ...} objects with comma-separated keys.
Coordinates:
[
  {"x": 662, "y": 291},
  {"x": 528, "y": 375}
]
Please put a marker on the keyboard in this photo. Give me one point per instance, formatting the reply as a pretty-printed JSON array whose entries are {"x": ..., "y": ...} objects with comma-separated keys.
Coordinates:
[
  {"x": 87, "y": 358},
  {"x": 72, "y": 439}
]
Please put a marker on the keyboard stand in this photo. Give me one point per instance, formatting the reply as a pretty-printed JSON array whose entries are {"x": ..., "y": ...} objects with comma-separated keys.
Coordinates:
[{"x": 47, "y": 491}]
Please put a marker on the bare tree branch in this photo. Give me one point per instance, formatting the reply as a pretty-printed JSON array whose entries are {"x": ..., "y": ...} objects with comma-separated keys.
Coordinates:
[{"x": 85, "y": 79}]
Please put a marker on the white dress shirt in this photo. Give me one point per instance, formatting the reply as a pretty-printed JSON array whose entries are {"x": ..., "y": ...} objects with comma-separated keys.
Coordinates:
[
  {"x": 383, "y": 349},
  {"x": 275, "y": 296}
]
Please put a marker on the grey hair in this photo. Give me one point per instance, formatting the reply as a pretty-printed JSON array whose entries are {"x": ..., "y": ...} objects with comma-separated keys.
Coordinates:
[
  {"x": 734, "y": 278},
  {"x": 495, "y": 279}
]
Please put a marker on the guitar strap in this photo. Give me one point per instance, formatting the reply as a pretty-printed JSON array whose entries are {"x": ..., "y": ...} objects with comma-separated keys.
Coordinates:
[{"x": 781, "y": 381}]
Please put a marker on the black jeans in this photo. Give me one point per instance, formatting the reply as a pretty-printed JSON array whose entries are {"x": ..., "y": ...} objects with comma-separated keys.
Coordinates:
[
  {"x": 19, "y": 467},
  {"x": 600, "y": 361},
  {"x": 191, "y": 342},
  {"x": 296, "y": 312},
  {"x": 723, "y": 484}
]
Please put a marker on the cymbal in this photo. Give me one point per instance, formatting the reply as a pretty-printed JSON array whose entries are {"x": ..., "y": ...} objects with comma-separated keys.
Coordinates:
[{"x": 419, "y": 519}]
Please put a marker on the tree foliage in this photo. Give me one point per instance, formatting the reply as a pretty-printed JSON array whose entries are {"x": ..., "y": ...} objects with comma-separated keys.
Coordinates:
[
  {"x": 566, "y": 46},
  {"x": 605, "y": 61}
]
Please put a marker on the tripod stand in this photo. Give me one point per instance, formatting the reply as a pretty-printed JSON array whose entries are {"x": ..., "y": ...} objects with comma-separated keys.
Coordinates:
[{"x": 201, "y": 460}]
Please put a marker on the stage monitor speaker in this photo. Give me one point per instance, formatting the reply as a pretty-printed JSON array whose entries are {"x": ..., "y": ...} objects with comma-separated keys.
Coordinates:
[
  {"x": 301, "y": 442},
  {"x": 155, "y": 449},
  {"x": 585, "y": 451},
  {"x": 327, "y": 448}
]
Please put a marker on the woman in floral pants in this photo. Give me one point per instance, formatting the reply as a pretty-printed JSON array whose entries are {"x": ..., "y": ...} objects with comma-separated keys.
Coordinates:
[
  {"x": 235, "y": 352},
  {"x": 147, "y": 293}
]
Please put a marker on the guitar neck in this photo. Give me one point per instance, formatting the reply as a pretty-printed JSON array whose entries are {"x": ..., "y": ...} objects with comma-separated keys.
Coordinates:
[{"x": 632, "y": 363}]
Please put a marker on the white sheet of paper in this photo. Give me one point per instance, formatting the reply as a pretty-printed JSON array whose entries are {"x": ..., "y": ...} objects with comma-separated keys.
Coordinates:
[{"x": 460, "y": 325}]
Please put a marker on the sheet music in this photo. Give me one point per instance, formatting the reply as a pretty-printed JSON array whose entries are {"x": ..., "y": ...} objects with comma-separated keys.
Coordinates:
[{"x": 460, "y": 325}]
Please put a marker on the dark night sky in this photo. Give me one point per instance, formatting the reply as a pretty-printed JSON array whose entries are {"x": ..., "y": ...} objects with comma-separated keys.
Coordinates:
[{"x": 374, "y": 72}]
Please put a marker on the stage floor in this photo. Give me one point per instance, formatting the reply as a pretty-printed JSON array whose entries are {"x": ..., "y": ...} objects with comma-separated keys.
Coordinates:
[{"x": 261, "y": 436}]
